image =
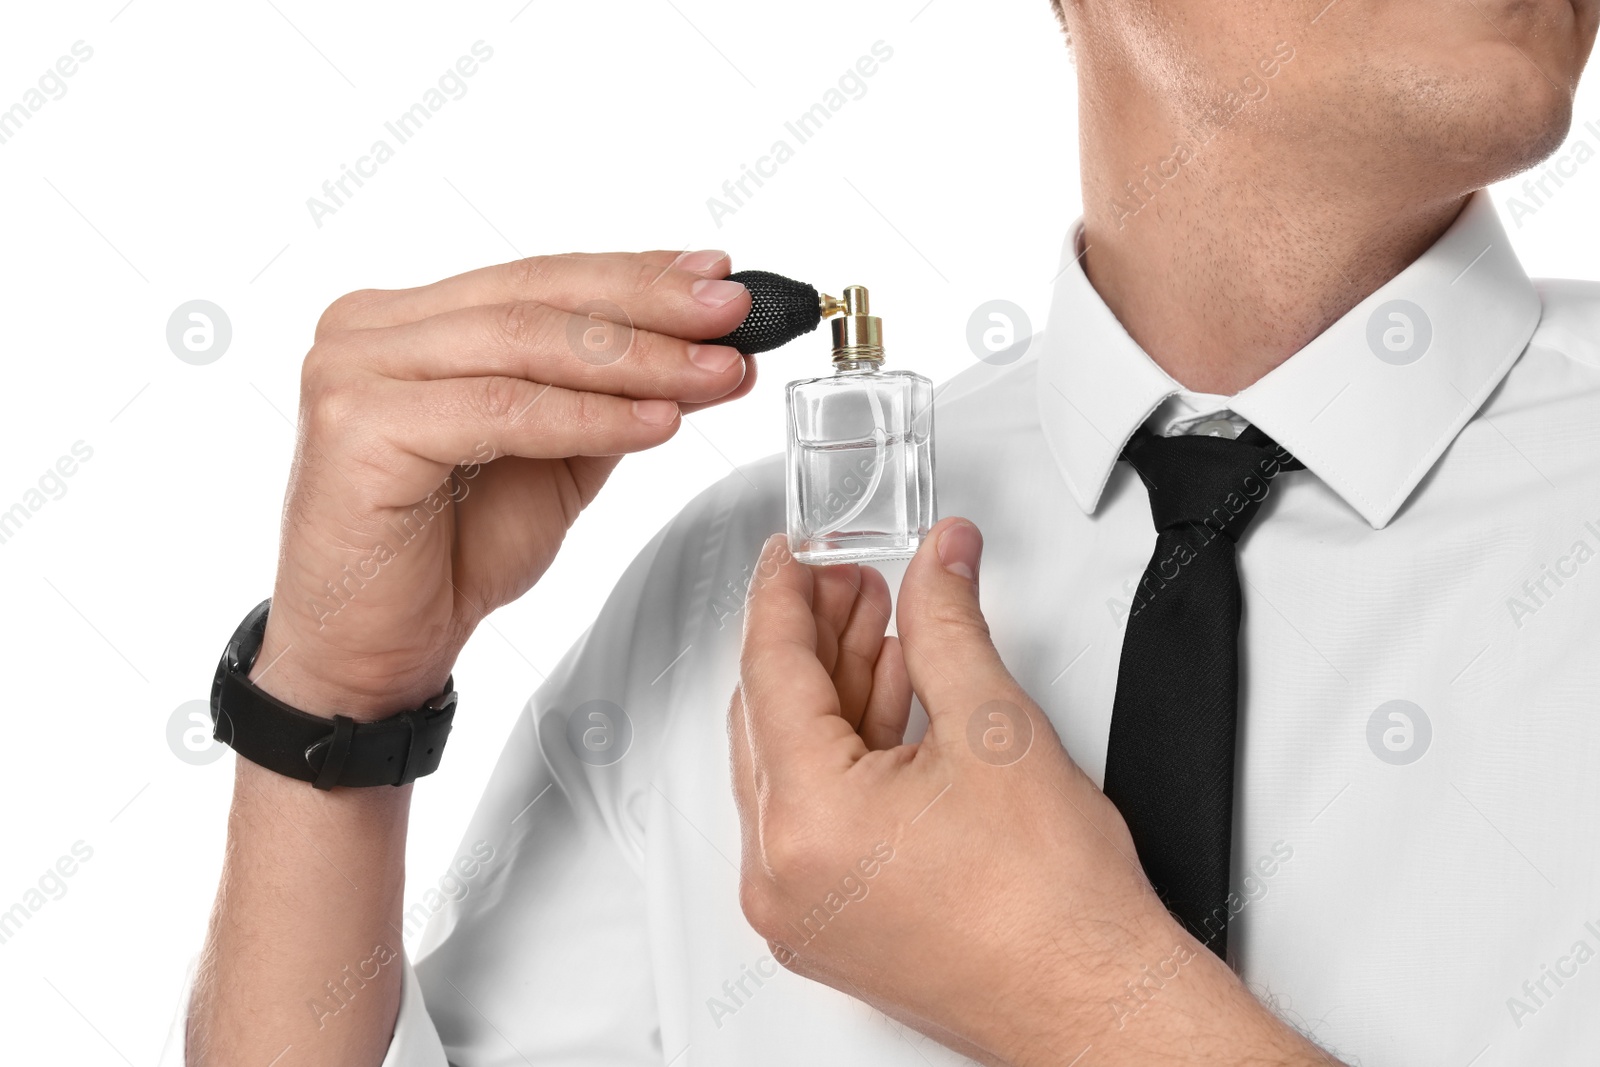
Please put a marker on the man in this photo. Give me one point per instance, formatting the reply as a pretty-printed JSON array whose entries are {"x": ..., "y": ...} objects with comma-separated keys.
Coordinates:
[{"x": 1282, "y": 247}]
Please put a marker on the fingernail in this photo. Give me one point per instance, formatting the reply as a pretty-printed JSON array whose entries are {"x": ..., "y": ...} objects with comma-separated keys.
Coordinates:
[
  {"x": 959, "y": 548},
  {"x": 699, "y": 261},
  {"x": 655, "y": 412},
  {"x": 774, "y": 554},
  {"x": 715, "y": 292},
  {"x": 714, "y": 358}
]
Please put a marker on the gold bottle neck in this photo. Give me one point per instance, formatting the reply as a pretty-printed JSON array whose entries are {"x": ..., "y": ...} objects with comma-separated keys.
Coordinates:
[{"x": 857, "y": 333}]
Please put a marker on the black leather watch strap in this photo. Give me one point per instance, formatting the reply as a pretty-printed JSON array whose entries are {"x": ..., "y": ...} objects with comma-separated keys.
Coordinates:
[{"x": 325, "y": 751}]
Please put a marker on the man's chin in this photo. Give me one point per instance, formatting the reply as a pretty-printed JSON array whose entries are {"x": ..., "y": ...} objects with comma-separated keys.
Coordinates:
[
  {"x": 1483, "y": 125},
  {"x": 1523, "y": 139}
]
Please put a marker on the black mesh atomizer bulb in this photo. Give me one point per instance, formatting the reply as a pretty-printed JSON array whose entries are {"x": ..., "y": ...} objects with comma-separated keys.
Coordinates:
[{"x": 781, "y": 309}]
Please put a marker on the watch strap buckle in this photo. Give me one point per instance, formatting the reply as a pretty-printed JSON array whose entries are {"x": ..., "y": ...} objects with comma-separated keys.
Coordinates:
[{"x": 327, "y": 751}]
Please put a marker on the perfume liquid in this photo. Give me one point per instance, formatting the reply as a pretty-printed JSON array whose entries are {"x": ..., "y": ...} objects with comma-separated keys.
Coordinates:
[{"x": 860, "y": 450}]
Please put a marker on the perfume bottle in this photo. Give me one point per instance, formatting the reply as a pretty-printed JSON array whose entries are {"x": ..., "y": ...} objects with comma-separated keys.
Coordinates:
[{"x": 860, "y": 448}]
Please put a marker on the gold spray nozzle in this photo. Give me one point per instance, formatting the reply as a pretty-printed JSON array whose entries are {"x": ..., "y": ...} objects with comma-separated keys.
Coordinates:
[{"x": 857, "y": 334}]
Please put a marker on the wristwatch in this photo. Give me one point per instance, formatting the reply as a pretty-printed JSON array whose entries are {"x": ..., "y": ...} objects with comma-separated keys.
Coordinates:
[{"x": 325, "y": 751}]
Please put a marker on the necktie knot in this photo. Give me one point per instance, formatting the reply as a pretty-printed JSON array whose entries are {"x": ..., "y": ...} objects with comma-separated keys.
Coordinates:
[{"x": 1212, "y": 485}]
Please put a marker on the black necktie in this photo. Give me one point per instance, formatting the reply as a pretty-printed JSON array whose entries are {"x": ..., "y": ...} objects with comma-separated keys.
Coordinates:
[{"x": 1169, "y": 761}]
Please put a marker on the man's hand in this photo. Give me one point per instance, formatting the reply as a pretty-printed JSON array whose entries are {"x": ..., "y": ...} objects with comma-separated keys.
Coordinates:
[
  {"x": 975, "y": 885},
  {"x": 449, "y": 437}
]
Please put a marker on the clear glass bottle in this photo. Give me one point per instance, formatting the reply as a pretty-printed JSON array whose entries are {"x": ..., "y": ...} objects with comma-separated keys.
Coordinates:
[{"x": 860, "y": 449}]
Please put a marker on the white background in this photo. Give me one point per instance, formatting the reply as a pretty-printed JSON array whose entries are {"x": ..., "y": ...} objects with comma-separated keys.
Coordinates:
[{"x": 177, "y": 166}]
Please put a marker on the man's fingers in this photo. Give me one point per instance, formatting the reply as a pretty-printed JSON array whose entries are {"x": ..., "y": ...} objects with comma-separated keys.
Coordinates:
[
  {"x": 791, "y": 705},
  {"x": 543, "y": 343},
  {"x": 739, "y": 391},
  {"x": 682, "y": 294},
  {"x": 883, "y": 724},
  {"x": 858, "y": 643},
  {"x": 466, "y": 420},
  {"x": 948, "y": 655},
  {"x": 742, "y": 766},
  {"x": 834, "y": 592}
]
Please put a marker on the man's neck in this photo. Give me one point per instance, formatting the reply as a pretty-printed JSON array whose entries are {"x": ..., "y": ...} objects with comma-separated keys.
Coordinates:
[{"x": 1229, "y": 268}]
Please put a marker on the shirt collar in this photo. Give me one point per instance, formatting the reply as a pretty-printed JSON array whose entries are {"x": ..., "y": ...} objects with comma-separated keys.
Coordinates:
[{"x": 1358, "y": 405}]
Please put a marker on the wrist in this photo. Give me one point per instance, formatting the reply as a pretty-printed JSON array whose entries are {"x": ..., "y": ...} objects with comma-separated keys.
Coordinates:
[
  {"x": 368, "y": 654},
  {"x": 326, "y": 750},
  {"x": 1124, "y": 986},
  {"x": 304, "y": 673},
  {"x": 377, "y": 818},
  {"x": 1159, "y": 991}
]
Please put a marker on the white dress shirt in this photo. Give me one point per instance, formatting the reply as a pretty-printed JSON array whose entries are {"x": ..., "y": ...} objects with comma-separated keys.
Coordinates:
[{"x": 1417, "y": 838}]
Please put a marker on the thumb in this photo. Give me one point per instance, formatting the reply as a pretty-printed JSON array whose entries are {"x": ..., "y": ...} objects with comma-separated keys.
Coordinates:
[{"x": 949, "y": 657}]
